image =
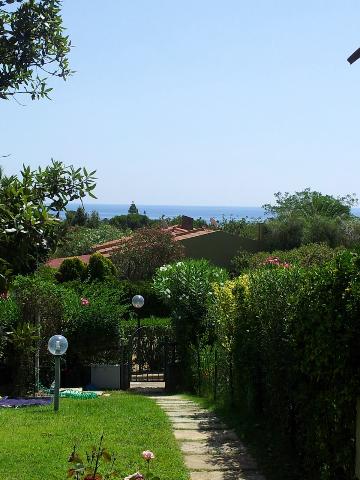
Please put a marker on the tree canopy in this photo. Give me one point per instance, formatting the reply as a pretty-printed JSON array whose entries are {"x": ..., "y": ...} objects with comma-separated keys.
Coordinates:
[
  {"x": 139, "y": 255},
  {"x": 30, "y": 207},
  {"x": 133, "y": 210},
  {"x": 309, "y": 203},
  {"x": 33, "y": 47}
]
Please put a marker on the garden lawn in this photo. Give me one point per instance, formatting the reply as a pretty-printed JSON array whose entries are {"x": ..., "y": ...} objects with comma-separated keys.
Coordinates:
[{"x": 35, "y": 443}]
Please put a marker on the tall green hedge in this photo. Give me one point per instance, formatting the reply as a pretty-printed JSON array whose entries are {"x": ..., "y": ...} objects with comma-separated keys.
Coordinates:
[
  {"x": 289, "y": 339},
  {"x": 96, "y": 317}
]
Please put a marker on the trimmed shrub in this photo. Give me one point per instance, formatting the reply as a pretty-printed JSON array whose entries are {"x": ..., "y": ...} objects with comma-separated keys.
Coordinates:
[
  {"x": 100, "y": 267},
  {"x": 71, "y": 269},
  {"x": 289, "y": 338}
]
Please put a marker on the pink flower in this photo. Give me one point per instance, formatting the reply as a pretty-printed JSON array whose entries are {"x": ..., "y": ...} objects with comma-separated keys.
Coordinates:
[
  {"x": 135, "y": 476},
  {"x": 85, "y": 301},
  {"x": 148, "y": 455},
  {"x": 4, "y": 296}
]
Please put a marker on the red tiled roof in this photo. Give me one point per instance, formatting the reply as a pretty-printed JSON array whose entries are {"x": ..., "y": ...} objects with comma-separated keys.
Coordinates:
[
  {"x": 177, "y": 232},
  {"x": 110, "y": 247},
  {"x": 56, "y": 262}
]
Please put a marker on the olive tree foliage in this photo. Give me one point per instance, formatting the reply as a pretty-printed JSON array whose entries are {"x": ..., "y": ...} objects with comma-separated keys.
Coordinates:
[
  {"x": 33, "y": 47},
  {"x": 30, "y": 206},
  {"x": 309, "y": 203},
  {"x": 309, "y": 217}
]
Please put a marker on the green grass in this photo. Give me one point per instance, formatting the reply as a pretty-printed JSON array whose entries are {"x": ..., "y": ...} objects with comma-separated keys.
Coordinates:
[
  {"x": 35, "y": 442},
  {"x": 273, "y": 460}
]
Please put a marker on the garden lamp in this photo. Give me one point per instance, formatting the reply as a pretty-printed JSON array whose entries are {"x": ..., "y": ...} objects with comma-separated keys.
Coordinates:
[
  {"x": 57, "y": 346},
  {"x": 138, "y": 302}
]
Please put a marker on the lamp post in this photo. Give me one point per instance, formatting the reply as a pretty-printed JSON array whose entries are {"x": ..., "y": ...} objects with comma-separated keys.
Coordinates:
[
  {"x": 354, "y": 56},
  {"x": 138, "y": 302},
  {"x": 57, "y": 346}
]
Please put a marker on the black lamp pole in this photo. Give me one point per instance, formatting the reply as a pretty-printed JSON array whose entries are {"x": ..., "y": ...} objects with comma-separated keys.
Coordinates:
[{"x": 354, "y": 56}]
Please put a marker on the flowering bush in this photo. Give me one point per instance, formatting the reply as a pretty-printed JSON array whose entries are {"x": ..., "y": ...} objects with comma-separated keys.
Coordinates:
[
  {"x": 139, "y": 255},
  {"x": 186, "y": 287},
  {"x": 276, "y": 262},
  {"x": 305, "y": 256}
]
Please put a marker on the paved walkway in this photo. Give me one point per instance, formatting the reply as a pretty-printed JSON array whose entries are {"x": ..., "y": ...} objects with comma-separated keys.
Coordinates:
[{"x": 211, "y": 451}]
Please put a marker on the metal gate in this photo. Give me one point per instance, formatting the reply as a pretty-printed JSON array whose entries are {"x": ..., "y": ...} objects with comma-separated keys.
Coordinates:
[{"x": 148, "y": 352}]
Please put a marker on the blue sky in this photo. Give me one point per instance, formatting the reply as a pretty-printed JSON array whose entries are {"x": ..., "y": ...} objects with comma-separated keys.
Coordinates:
[{"x": 201, "y": 102}]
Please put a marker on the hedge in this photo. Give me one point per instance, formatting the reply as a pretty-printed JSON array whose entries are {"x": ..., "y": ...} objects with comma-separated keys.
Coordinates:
[
  {"x": 287, "y": 353},
  {"x": 95, "y": 316}
]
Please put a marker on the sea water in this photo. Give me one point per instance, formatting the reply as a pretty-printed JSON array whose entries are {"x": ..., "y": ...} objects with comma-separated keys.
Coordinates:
[
  {"x": 109, "y": 210},
  {"x": 158, "y": 211}
]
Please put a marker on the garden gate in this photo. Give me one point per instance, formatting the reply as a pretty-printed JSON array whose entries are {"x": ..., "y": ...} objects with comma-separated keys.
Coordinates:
[{"x": 148, "y": 357}]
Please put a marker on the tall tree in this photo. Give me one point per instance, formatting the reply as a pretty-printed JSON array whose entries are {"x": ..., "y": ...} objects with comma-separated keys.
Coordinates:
[
  {"x": 309, "y": 203},
  {"x": 33, "y": 47},
  {"x": 30, "y": 207}
]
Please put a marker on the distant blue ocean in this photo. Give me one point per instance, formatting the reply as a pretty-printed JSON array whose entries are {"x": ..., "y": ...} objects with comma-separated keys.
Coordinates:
[
  {"x": 108, "y": 210},
  {"x": 157, "y": 211}
]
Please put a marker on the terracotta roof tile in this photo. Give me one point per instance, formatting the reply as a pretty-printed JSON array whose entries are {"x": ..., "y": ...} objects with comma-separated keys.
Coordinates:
[
  {"x": 110, "y": 247},
  {"x": 56, "y": 262},
  {"x": 177, "y": 232}
]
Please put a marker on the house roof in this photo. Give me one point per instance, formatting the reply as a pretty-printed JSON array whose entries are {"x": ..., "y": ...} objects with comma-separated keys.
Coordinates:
[
  {"x": 177, "y": 232},
  {"x": 56, "y": 262},
  {"x": 108, "y": 248}
]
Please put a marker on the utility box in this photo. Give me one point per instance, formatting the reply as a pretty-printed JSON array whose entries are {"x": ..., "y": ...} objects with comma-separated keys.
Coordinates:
[{"x": 106, "y": 377}]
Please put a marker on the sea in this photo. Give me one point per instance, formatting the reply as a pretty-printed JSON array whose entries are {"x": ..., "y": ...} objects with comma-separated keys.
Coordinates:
[{"x": 109, "y": 210}]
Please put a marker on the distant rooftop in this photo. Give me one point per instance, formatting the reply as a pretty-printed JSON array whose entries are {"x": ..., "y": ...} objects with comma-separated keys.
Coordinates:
[{"x": 179, "y": 233}]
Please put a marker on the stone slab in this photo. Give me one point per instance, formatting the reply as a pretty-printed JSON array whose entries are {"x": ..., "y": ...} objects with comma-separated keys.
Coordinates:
[
  {"x": 191, "y": 435},
  {"x": 201, "y": 422},
  {"x": 229, "y": 448},
  {"x": 197, "y": 425},
  {"x": 221, "y": 436},
  {"x": 213, "y": 437},
  {"x": 219, "y": 475},
  {"x": 208, "y": 462},
  {"x": 191, "y": 410},
  {"x": 224, "y": 475},
  {"x": 204, "y": 462},
  {"x": 195, "y": 448},
  {"x": 234, "y": 462},
  {"x": 193, "y": 416},
  {"x": 170, "y": 401},
  {"x": 185, "y": 419}
]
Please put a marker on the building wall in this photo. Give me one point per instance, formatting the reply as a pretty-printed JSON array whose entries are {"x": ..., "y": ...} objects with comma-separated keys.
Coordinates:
[{"x": 219, "y": 247}]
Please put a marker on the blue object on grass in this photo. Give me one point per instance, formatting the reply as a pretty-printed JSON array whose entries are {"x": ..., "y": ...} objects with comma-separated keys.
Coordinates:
[{"x": 24, "y": 402}]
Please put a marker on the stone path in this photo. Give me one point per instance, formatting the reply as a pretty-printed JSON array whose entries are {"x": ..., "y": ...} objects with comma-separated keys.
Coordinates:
[{"x": 211, "y": 450}]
